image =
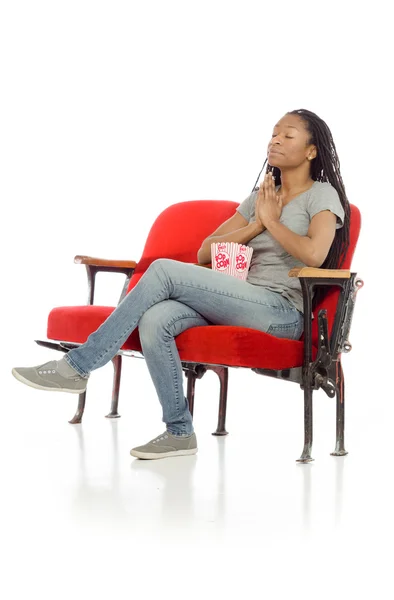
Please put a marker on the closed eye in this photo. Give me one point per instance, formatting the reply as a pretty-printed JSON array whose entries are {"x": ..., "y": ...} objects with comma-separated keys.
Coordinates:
[{"x": 288, "y": 136}]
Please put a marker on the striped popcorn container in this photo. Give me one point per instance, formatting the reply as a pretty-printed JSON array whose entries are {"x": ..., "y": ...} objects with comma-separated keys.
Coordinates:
[{"x": 231, "y": 259}]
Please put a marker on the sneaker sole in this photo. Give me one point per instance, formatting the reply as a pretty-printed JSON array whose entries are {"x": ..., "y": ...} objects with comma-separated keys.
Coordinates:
[
  {"x": 155, "y": 455},
  {"x": 22, "y": 379}
]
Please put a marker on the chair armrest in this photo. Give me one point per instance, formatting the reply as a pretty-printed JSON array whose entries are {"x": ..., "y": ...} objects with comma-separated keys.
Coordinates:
[
  {"x": 314, "y": 272},
  {"x": 95, "y": 265},
  {"x": 103, "y": 262},
  {"x": 337, "y": 342}
]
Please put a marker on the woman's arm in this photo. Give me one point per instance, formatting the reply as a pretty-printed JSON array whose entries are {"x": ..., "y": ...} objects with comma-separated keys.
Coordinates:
[
  {"x": 311, "y": 249},
  {"x": 236, "y": 229}
]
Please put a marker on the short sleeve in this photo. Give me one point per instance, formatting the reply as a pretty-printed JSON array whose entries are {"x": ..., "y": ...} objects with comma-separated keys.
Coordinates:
[
  {"x": 246, "y": 208},
  {"x": 325, "y": 197}
]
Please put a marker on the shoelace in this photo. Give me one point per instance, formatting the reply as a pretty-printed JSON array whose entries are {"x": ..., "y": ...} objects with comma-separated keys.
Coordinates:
[{"x": 160, "y": 437}]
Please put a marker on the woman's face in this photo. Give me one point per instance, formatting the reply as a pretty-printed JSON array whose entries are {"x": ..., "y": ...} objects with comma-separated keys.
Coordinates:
[{"x": 289, "y": 147}]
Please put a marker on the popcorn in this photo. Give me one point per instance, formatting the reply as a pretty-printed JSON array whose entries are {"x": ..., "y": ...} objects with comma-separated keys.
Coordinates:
[{"x": 231, "y": 259}]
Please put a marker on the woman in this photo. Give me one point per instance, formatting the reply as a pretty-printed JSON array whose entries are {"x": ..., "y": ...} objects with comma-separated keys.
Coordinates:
[{"x": 303, "y": 220}]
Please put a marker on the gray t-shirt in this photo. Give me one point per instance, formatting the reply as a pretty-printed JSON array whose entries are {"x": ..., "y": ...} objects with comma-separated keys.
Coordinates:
[{"x": 270, "y": 262}]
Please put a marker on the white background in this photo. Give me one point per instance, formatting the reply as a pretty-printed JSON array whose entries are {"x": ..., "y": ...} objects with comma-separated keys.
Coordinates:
[{"x": 111, "y": 111}]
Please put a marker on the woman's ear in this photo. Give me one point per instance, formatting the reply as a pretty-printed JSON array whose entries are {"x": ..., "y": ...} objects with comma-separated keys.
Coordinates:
[{"x": 312, "y": 153}]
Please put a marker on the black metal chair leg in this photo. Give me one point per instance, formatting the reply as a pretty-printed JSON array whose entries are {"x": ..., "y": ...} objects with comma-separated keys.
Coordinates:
[
  {"x": 77, "y": 418},
  {"x": 340, "y": 393},
  {"x": 191, "y": 385},
  {"x": 308, "y": 424},
  {"x": 117, "y": 364},
  {"x": 222, "y": 373}
]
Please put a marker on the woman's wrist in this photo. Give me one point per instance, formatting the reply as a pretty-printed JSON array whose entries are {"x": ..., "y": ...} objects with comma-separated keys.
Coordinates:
[
  {"x": 257, "y": 227},
  {"x": 270, "y": 223}
]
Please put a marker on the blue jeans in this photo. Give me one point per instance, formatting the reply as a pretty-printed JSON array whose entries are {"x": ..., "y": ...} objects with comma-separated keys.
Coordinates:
[{"x": 169, "y": 298}]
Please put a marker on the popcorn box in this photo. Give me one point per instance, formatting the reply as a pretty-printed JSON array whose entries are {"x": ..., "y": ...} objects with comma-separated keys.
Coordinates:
[{"x": 231, "y": 259}]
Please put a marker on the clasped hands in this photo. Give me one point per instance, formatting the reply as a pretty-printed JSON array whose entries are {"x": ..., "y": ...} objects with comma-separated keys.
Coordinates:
[{"x": 269, "y": 203}]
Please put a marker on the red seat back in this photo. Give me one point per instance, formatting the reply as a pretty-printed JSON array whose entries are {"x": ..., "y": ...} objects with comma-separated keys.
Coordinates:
[
  {"x": 179, "y": 231},
  {"x": 330, "y": 300}
]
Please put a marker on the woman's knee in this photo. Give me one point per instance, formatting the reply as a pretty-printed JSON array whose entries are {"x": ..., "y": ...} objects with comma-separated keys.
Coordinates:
[
  {"x": 167, "y": 319},
  {"x": 153, "y": 325},
  {"x": 150, "y": 321},
  {"x": 166, "y": 266},
  {"x": 160, "y": 263}
]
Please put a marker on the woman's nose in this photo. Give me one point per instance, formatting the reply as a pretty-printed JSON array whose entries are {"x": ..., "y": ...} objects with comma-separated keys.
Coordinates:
[{"x": 275, "y": 142}]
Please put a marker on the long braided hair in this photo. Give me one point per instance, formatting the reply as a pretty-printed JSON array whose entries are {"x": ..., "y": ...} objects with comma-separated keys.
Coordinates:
[{"x": 325, "y": 167}]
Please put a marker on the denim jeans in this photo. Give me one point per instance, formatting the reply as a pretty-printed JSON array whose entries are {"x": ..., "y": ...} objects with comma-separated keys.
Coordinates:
[{"x": 169, "y": 298}]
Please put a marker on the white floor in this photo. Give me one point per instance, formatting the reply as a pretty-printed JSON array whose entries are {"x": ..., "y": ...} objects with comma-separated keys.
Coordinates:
[{"x": 80, "y": 518}]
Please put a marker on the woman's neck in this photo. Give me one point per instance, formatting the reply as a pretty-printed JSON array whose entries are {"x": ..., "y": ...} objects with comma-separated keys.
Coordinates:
[{"x": 293, "y": 184}]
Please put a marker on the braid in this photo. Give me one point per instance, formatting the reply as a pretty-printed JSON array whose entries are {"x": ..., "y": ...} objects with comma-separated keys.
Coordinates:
[{"x": 325, "y": 167}]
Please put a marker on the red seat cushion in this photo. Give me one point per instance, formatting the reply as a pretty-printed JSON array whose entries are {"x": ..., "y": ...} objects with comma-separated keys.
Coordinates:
[
  {"x": 212, "y": 344},
  {"x": 76, "y": 323}
]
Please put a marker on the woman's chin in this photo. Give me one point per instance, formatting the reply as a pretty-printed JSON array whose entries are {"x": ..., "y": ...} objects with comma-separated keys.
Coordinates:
[
  {"x": 274, "y": 160},
  {"x": 274, "y": 163}
]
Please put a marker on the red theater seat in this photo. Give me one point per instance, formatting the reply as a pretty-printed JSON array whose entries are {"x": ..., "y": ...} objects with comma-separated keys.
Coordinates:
[{"x": 312, "y": 362}]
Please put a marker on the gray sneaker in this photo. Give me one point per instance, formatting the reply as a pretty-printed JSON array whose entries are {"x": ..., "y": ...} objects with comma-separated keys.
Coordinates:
[
  {"x": 165, "y": 445},
  {"x": 47, "y": 377}
]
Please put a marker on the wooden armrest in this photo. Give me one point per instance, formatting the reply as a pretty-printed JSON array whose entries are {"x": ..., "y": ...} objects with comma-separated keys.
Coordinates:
[
  {"x": 103, "y": 262},
  {"x": 314, "y": 272}
]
